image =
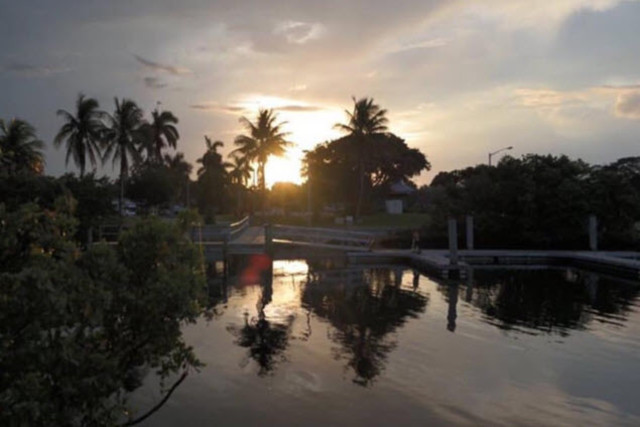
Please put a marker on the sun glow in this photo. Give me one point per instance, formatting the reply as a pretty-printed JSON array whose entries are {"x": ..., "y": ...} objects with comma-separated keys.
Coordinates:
[{"x": 308, "y": 125}]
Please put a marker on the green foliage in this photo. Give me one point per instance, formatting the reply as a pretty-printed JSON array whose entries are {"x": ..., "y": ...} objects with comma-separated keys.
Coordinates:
[
  {"x": 20, "y": 149},
  {"x": 343, "y": 169},
  {"x": 212, "y": 188},
  {"x": 536, "y": 201},
  {"x": 152, "y": 185},
  {"x": 94, "y": 201},
  {"x": 79, "y": 329},
  {"x": 188, "y": 218}
]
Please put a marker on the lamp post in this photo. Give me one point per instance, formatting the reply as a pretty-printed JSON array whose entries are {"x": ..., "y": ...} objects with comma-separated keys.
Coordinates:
[{"x": 498, "y": 151}]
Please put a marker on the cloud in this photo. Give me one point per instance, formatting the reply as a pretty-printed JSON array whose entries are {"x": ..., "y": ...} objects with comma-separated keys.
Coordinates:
[
  {"x": 220, "y": 108},
  {"x": 296, "y": 108},
  {"x": 421, "y": 44},
  {"x": 298, "y": 88},
  {"x": 299, "y": 32},
  {"x": 628, "y": 105},
  {"x": 547, "y": 98},
  {"x": 162, "y": 67},
  {"x": 154, "y": 83},
  {"x": 618, "y": 88},
  {"x": 28, "y": 70}
]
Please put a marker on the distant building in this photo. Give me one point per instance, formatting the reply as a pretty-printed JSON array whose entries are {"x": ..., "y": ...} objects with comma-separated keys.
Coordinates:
[{"x": 398, "y": 193}]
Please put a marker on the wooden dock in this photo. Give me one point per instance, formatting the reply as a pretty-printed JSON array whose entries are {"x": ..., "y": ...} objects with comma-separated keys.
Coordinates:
[{"x": 624, "y": 264}]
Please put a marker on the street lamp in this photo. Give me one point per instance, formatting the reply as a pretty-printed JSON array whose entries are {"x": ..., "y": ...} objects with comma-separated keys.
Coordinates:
[{"x": 498, "y": 151}]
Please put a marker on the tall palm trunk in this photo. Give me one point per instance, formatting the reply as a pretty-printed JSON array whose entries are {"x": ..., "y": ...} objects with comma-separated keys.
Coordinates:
[
  {"x": 261, "y": 180},
  {"x": 123, "y": 174},
  {"x": 361, "y": 188}
]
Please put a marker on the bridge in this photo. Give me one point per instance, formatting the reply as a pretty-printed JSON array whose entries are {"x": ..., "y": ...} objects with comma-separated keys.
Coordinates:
[
  {"x": 220, "y": 242},
  {"x": 241, "y": 238}
]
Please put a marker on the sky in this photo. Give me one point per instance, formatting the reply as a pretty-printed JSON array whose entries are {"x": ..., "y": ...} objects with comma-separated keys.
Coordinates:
[{"x": 459, "y": 78}]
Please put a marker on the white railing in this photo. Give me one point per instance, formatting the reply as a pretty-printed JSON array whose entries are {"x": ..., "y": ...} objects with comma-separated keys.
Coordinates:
[
  {"x": 219, "y": 233},
  {"x": 238, "y": 227},
  {"x": 328, "y": 237}
]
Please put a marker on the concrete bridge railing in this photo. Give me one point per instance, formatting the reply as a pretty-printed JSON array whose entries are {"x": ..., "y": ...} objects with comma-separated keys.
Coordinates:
[{"x": 323, "y": 237}]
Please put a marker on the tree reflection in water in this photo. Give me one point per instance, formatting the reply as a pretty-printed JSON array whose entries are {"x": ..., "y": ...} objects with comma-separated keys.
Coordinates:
[
  {"x": 266, "y": 340},
  {"x": 365, "y": 308},
  {"x": 550, "y": 301}
]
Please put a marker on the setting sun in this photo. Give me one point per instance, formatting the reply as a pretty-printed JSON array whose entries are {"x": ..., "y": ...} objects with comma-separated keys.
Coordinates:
[{"x": 307, "y": 124}]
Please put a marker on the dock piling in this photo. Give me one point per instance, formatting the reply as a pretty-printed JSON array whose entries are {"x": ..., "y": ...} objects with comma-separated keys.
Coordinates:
[
  {"x": 453, "y": 242},
  {"x": 469, "y": 231},
  {"x": 593, "y": 233}
]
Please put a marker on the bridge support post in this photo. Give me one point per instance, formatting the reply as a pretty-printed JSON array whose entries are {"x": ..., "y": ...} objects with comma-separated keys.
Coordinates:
[
  {"x": 453, "y": 242},
  {"x": 593, "y": 233},
  {"x": 469, "y": 231},
  {"x": 268, "y": 239},
  {"x": 225, "y": 256}
]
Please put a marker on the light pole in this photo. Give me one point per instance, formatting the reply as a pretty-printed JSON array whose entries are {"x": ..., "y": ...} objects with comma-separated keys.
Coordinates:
[{"x": 498, "y": 151}]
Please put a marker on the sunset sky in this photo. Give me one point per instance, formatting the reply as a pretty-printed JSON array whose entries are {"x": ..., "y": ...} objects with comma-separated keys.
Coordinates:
[{"x": 458, "y": 78}]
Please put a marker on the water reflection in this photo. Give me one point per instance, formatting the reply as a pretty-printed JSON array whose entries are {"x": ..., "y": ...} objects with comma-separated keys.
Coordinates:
[
  {"x": 547, "y": 301},
  {"x": 266, "y": 340},
  {"x": 365, "y": 308}
]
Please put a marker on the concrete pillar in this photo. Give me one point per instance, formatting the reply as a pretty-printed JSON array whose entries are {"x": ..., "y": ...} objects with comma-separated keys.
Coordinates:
[
  {"x": 268, "y": 238},
  {"x": 469, "y": 295},
  {"x": 469, "y": 231},
  {"x": 593, "y": 233},
  {"x": 225, "y": 255},
  {"x": 453, "y": 242},
  {"x": 452, "y": 313}
]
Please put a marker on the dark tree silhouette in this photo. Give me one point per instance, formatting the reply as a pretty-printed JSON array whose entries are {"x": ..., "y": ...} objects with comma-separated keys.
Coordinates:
[
  {"x": 20, "y": 149},
  {"x": 363, "y": 122},
  {"x": 82, "y": 132},
  {"x": 160, "y": 133},
  {"x": 265, "y": 138},
  {"x": 365, "y": 308},
  {"x": 124, "y": 138}
]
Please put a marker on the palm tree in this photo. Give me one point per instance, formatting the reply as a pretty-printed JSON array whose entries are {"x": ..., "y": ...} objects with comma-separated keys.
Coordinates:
[
  {"x": 20, "y": 149},
  {"x": 180, "y": 169},
  {"x": 211, "y": 159},
  {"x": 81, "y": 132},
  {"x": 241, "y": 170},
  {"x": 124, "y": 138},
  {"x": 239, "y": 174},
  {"x": 363, "y": 123},
  {"x": 161, "y": 133},
  {"x": 212, "y": 178},
  {"x": 265, "y": 139}
]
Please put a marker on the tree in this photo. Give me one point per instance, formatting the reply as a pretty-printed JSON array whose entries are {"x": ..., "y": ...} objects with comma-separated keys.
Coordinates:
[
  {"x": 93, "y": 196},
  {"x": 124, "y": 138},
  {"x": 212, "y": 179},
  {"x": 80, "y": 328},
  {"x": 535, "y": 201},
  {"x": 241, "y": 170},
  {"x": 335, "y": 170},
  {"x": 82, "y": 132},
  {"x": 266, "y": 138},
  {"x": 160, "y": 133},
  {"x": 363, "y": 123},
  {"x": 180, "y": 171},
  {"x": 20, "y": 149},
  {"x": 239, "y": 174},
  {"x": 152, "y": 185}
]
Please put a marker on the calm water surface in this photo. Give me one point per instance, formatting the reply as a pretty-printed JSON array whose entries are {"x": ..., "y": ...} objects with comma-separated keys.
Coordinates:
[{"x": 322, "y": 343}]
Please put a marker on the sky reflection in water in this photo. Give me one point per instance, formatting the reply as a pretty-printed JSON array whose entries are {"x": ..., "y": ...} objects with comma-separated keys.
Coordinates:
[{"x": 321, "y": 342}]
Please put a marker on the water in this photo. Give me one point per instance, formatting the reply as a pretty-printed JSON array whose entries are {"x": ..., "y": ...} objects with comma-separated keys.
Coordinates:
[{"x": 328, "y": 344}]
